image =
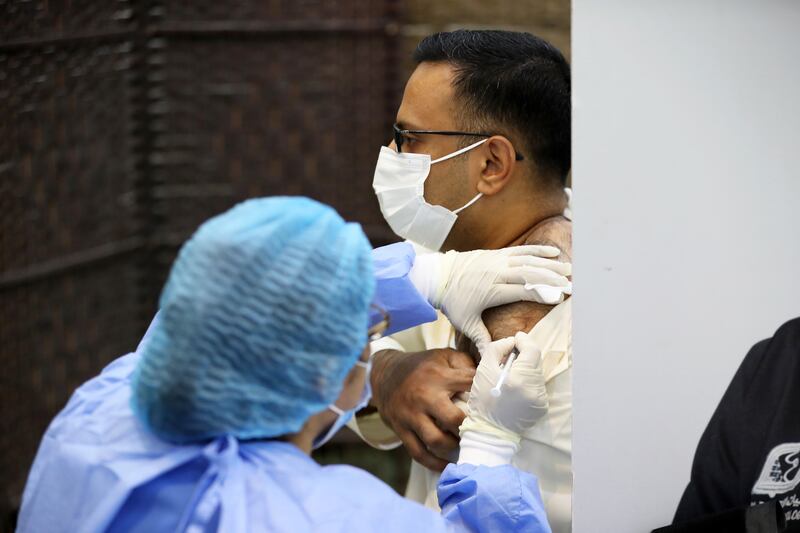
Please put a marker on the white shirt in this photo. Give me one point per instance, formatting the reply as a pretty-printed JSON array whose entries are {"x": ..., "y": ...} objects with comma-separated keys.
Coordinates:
[{"x": 545, "y": 450}]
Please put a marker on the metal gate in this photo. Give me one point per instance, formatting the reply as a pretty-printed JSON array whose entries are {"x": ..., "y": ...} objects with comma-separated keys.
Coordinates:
[{"x": 123, "y": 125}]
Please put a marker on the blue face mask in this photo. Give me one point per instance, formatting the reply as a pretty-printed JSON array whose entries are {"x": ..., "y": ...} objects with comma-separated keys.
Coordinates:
[{"x": 344, "y": 415}]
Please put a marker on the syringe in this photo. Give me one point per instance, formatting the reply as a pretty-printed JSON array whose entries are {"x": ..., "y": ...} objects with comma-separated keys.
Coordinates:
[{"x": 504, "y": 373}]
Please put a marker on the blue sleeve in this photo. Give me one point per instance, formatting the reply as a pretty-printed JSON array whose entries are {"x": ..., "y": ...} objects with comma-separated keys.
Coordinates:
[
  {"x": 496, "y": 498},
  {"x": 394, "y": 291}
]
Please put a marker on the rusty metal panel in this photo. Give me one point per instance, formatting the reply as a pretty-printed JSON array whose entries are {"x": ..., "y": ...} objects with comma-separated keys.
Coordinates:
[
  {"x": 312, "y": 11},
  {"x": 54, "y": 334},
  {"x": 307, "y": 122},
  {"x": 65, "y": 151},
  {"x": 37, "y": 20},
  {"x": 125, "y": 124}
]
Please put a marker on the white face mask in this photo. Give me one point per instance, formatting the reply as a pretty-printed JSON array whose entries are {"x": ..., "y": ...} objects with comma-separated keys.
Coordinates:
[
  {"x": 399, "y": 183},
  {"x": 343, "y": 416}
]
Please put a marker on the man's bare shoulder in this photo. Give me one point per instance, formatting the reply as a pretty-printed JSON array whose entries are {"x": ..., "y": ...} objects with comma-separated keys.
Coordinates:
[
  {"x": 507, "y": 320},
  {"x": 555, "y": 231}
]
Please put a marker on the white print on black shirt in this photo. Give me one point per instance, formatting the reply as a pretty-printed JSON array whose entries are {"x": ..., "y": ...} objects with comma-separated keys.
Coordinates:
[
  {"x": 781, "y": 471},
  {"x": 781, "y": 474},
  {"x": 791, "y": 507}
]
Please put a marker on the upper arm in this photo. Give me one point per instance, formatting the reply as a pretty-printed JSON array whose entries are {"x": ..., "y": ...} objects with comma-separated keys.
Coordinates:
[{"x": 507, "y": 320}]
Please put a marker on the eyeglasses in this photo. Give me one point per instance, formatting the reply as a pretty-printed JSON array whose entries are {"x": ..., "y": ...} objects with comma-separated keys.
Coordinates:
[
  {"x": 376, "y": 332},
  {"x": 399, "y": 136}
]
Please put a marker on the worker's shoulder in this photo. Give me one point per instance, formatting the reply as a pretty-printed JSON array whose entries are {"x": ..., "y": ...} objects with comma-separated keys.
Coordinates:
[
  {"x": 100, "y": 403},
  {"x": 351, "y": 476},
  {"x": 373, "y": 501}
]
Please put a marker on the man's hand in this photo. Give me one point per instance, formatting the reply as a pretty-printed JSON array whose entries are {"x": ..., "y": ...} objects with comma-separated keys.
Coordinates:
[{"x": 414, "y": 395}]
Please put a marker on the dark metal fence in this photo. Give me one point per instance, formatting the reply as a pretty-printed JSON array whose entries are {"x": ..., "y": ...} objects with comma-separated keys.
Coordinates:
[{"x": 123, "y": 125}]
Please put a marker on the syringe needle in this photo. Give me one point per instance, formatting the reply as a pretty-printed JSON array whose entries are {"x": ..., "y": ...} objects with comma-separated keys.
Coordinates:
[{"x": 504, "y": 373}]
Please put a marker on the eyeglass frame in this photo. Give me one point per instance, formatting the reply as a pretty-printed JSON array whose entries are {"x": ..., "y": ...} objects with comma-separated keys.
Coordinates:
[
  {"x": 376, "y": 331},
  {"x": 398, "y": 137}
]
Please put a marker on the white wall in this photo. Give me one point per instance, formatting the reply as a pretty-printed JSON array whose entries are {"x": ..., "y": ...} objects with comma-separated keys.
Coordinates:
[{"x": 687, "y": 235}]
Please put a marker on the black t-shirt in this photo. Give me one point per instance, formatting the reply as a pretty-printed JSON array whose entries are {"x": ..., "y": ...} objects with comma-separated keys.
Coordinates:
[{"x": 750, "y": 451}]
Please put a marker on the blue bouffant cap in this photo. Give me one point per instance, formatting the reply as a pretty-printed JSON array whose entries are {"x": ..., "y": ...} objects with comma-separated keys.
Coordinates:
[{"x": 264, "y": 313}]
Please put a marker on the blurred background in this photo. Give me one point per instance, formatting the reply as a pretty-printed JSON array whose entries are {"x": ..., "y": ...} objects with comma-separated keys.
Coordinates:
[
  {"x": 686, "y": 127},
  {"x": 124, "y": 124}
]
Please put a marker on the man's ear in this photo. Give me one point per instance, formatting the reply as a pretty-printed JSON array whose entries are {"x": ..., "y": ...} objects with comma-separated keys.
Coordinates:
[{"x": 497, "y": 165}]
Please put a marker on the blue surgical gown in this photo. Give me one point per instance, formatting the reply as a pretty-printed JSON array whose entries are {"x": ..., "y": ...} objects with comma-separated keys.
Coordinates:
[{"x": 98, "y": 469}]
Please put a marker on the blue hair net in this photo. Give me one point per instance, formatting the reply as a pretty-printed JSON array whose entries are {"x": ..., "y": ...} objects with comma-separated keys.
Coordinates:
[{"x": 264, "y": 313}]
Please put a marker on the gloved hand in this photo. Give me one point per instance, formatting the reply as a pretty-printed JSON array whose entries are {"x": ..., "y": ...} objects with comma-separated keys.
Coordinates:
[
  {"x": 466, "y": 283},
  {"x": 491, "y": 432}
]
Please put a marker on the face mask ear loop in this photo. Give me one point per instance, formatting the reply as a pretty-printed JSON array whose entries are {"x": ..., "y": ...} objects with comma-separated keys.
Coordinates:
[
  {"x": 477, "y": 197},
  {"x": 459, "y": 152},
  {"x": 333, "y": 407}
]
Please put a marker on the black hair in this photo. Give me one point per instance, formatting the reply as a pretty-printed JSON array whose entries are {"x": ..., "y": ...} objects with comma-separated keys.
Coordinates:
[{"x": 513, "y": 80}]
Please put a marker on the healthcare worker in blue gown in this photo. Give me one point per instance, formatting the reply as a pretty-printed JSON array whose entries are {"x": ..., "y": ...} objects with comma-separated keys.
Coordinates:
[{"x": 257, "y": 356}]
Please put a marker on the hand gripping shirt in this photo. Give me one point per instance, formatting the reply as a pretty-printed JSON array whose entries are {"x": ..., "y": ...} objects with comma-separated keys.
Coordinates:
[{"x": 546, "y": 449}]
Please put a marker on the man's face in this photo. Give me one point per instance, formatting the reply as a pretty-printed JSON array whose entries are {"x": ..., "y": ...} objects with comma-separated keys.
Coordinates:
[{"x": 429, "y": 104}]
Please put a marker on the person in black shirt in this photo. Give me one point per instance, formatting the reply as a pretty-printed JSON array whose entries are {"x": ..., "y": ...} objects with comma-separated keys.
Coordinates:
[{"x": 750, "y": 451}]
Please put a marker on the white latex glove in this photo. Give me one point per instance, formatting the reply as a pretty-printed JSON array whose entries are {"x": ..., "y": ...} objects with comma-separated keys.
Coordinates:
[
  {"x": 464, "y": 284},
  {"x": 491, "y": 431}
]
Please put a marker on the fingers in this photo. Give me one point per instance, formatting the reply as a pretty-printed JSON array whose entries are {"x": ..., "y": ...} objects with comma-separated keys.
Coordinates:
[
  {"x": 447, "y": 415},
  {"x": 458, "y": 377},
  {"x": 546, "y": 294},
  {"x": 532, "y": 275},
  {"x": 437, "y": 441},
  {"x": 543, "y": 294},
  {"x": 459, "y": 380},
  {"x": 533, "y": 249},
  {"x": 418, "y": 451},
  {"x": 460, "y": 360},
  {"x": 498, "y": 350},
  {"x": 529, "y": 352},
  {"x": 559, "y": 267},
  {"x": 539, "y": 285},
  {"x": 479, "y": 333}
]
